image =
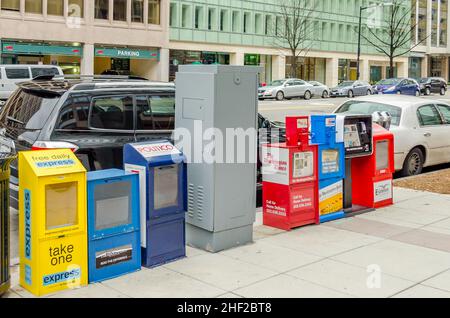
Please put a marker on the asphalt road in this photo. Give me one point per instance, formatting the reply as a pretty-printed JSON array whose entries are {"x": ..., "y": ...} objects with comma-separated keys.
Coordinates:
[{"x": 277, "y": 111}]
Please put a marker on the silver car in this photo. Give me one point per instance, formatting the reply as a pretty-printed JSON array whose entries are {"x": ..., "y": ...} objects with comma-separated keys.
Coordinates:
[
  {"x": 320, "y": 89},
  {"x": 351, "y": 89},
  {"x": 286, "y": 89}
]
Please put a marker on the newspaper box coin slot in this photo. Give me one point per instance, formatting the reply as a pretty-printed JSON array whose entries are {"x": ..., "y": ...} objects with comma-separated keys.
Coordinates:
[
  {"x": 113, "y": 224},
  {"x": 52, "y": 227},
  {"x": 162, "y": 182},
  {"x": 290, "y": 179},
  {"x": 373, "y": 175},
  {"x": 331, "y": 168}
]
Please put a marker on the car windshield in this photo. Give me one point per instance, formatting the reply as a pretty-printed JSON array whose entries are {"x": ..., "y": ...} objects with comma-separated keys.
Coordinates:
[
  {"x": 368, "y": 108},
  {"x": 424, "y": 80},
  {"x": 389, "y": 81},
  {"x": 26, "y": 111},
  {"x": 346, "y": 83},
  {"x": 277, "y": 83}
]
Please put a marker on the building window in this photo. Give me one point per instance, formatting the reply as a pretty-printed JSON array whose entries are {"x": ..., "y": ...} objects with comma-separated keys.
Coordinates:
[
  {"x": 154, "y": 11},
  {"x": 186, "y": 16},
  {"x": 422, "y": 20},
  {"x": 247, "y": 22},
  {"x": 258, "y": 24},
  {"x": 33, "y": 6},
  {"x": 11, "y": 5},
  {"x": 434, "y": 22},
  {"x": 443, "y": 24},
  {"x": 212, "y": 19},
  {"x": 173, "y": 15},
  {"x": 101, "y": 9},
  {"x": 198, "y": 17},
  {"x": 268, "y": 25},
  {"x": 76, "y": 8},
  {"x": 137, "y": 11},
  {"x": 236, "y": 23},
  {"x": 224, "y": 23},
  {"x": 55, "y": 7},
  {"x": 120, "y": 10}
]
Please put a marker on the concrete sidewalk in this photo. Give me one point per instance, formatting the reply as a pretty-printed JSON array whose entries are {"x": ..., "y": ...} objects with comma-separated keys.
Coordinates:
[{"x": 400, "y": 251}]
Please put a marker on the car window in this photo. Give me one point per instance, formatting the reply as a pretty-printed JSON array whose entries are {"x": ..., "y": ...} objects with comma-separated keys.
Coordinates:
[
  {"x": 43, "y": 71},
  {"x": 429, "y": 116},
  {"x": 368, "y": 108},
  {"x": 155, "y": 112},
  {"x": 112, "y": 112},
  {"x": 289, "y": 83},
  {"x": 17, "y": 73},
  {"x": 74, "y": 114},
  {"x": 27, "y": 111},
  {"x": 445, "y": 111},
  {"x": 299, "y": 83}
]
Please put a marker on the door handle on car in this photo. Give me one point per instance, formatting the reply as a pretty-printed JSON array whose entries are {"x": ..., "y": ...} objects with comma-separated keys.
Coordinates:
[{"x": 427, "y": 134}]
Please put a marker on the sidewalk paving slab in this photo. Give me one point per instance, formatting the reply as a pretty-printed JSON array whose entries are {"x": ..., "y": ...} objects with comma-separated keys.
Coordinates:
[
  {"x": 420, "y": 291},
  {"x": 351, "y": 279},
  {"x": 441, "y": 281},
  {"x": 435, "y": 204},
  {"x": 398, "y": 259}
]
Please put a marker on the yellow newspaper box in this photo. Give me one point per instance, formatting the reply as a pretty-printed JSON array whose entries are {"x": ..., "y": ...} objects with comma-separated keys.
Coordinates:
[{"x": 52, "y": 221}]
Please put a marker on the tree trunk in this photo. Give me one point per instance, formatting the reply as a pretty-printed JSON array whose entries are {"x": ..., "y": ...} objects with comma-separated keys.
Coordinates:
[
  {"x": 391, "y": 67},
  {"x": 294, "y": 65}
]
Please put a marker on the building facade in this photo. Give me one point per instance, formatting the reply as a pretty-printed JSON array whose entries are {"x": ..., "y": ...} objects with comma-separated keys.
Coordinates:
[
  {"x": 431, "y": 52},
  {"x": 150, "y": 38},
  {"x": 88, "y": 36}
]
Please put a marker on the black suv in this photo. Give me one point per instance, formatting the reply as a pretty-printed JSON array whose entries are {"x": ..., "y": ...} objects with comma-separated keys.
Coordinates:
[
  {"x": 430, "y": 85},
  {"x": 94, "y": 116}
]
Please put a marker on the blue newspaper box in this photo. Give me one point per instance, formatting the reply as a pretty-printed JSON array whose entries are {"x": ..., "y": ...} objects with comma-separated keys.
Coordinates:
[
  {"x": 162, "y": 180},
  {"x": 331, "y": 157},
  {"x": 113, "y": 224}
]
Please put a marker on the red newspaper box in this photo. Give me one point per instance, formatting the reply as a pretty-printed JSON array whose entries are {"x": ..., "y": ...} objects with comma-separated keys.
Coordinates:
[
  {"x": 290, "y": 179},
  {"x": 372, "y": 176}
]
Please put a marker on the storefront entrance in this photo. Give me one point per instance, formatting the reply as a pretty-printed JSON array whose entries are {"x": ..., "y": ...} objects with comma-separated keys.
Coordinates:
[
  {"x": 67, "y": 56},
  {"x": 308, "y": 68}
]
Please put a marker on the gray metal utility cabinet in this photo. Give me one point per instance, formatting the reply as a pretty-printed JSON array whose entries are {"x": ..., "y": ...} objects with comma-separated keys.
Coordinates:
[{"x": 222, "y": 195}]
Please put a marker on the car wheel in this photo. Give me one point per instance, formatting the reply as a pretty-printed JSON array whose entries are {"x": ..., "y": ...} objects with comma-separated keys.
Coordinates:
[
  {"x": 399, "y": 92},
  {"x": 325, "y": 94},
  {"x": 414, "y": 162},
  {"x": 417, "y": 93},
  {"x": 280, "y": 96},
  {"x": 307, "y": 95},
  {"x": 369, "y": 92},
  {"x": 427, "y": 91},
  {"x": 443, "y": 91},
  {"x": 350, "y": 94}
]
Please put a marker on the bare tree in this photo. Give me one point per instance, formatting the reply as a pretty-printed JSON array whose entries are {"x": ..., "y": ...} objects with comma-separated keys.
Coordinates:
[
  {"x": 397, "y": 32},
  {"x": 293, "y": 28}
]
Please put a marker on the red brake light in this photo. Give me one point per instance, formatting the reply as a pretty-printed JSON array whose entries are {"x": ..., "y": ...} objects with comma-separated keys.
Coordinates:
[{"x": 45, "y": 145}]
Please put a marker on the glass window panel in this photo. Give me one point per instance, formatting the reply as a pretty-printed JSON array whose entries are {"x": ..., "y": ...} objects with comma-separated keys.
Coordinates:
[
  {"x": 112, "y": 112},
  {"x": 137, "y": 11},
  {"x": 154, "y": 11},
  {"x": 11, "y": 5},
  {"x": 330, "y": 161},
  {"x": 166, "y": 187},
  {"x": 120, "y": 10},
  {"x": 429, "y": 116},
  {"x": 382, "y": 157},
  {"x": 33, "y": 6},
  {"x": 76, "y": 8},
  {"x": 112, "y": 205},
  {"x": 17, "y": 73},
  {"x": 101, "y": 9},
  {"x": 55, "y": 7},
  {"x": 61, "y": 202},
  {"x": 445, "y": 111}
]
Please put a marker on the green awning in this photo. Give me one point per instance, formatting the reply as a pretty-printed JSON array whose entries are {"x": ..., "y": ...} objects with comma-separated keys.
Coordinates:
[{"x": 24, "y": 48}]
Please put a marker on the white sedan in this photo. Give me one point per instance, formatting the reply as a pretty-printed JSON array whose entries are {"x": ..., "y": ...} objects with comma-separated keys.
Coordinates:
[
  {"x": 320, "y": 89},
  {"x": 421, "y": 128}
]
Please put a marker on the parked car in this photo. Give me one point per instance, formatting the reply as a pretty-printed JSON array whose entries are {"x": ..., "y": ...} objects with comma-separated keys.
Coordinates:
[
  {"x": 399, "y": 86},
  {"x": 286, "y": 89},
  {"x": 320, "y": 89},
  {"x": 12, "y": 74},
  {"x": 95, "y": 117},
  {"x": 421, "y": 128},
  {"x": 430, "y": 85},
  {"x": 351, "y": 89}
]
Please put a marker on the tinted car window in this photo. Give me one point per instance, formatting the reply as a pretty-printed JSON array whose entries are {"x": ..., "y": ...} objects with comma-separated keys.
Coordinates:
[
  {"x": 74, "y": 114},
  {"x": 429, "y": 116},
  {"x": 42, "y": 71},
  {"x": 156, "y": 112},
  {"x": 112, "y": 112},
  {"x": 368, "y": 108},
  {"x": 27, "y": 111},
  {"x": 17, "y": 73},
  {"x": 445, "y": 111}
]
